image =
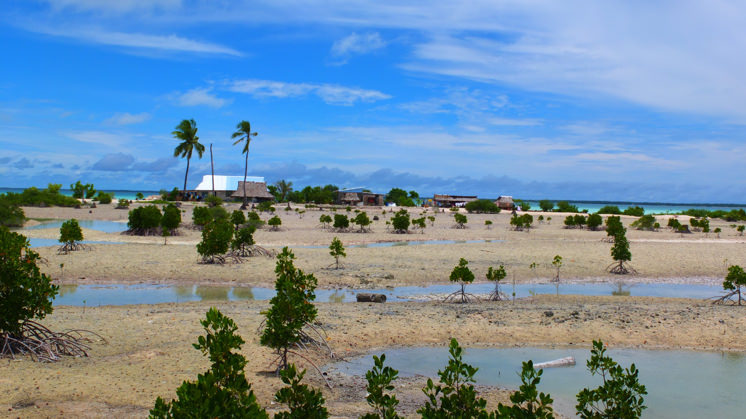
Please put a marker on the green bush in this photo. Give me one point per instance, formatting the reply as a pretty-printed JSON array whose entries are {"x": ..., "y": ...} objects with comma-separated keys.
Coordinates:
[
  {"x": 171, "y": 218},
  {"x": 341, "y": 221},
  {"x": 528, "y": 403},
  {"x": 609, "y": 209},
  {"x": 401, "y": 198},
  {"x": 70, "y": 232},
  {"x": 546, "y": 205},
  {"x": 214, "y": 201},
  {"x": 274, "y": 222},
  {"x": 303, "y": 402},
  {"x": 221, "y": 392},
  {"x": 201, "y": 216},
  {"x": 337, "y": 250},
  {"x": 144, "y": 220},
  {"x": 564, "y": 206},
  {"x": 170, "y": 196},
  {"x": 362, "y": 220},
  {"x": 81, "y": 191},
  {"x": 25, "y": 292},
  {"x": 569, "y": 221},
  {"x": 379, "y": 390},
  {"x": 460, "y": 220},
  {"x": 619, "y": 396},
  {"x": 243, "y": 238},
  {"x": 525, "y": 205},
  {"x": 104, "y": 198},
  {"x": 11, "y": 215},
  {"x": 646, "y": 222},
  {"x": 139, "y": 196},
  {"x": 238, "y": 218},
  {"x": 218, "y": 213},
  {"x": 265, "y": 206},
  {"x": 522, "y": 222},
  {"x": 594, "y": 222},
  {"x": 614, "y": 226},
  {"x": 290, "y": 309},
  {"x": 400, "y": 221},
  {"x": 482, "y": 206},
  {"x": 735, "y": 279},
  {"x": 34, "y": 197},
  {"x": 123, "y": 204},
  {"x": 635, "y": 211},
  {"x": 216, "y": 237},
  {"x": 325, "y": 220}
]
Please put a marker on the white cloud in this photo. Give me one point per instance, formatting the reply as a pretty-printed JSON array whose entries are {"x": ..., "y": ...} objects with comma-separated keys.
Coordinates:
[
  {"x": 199, "y": 97},
  {"x": 330, "y": 93},
  {"x": 114, "y": 6},
  {"x": 127, "y": 118},
  {"x": 357, "y": 44}
]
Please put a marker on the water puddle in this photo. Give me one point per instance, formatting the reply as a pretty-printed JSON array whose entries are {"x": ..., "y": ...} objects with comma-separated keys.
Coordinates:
[
  {"x": 98, "y": 225},
  {"x": 680, "y": 384},
  {"x": 36, "y": 242},
  {"x": 99, "y": 295}
]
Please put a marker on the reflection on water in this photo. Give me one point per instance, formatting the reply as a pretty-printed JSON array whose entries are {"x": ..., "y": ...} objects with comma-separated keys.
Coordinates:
[
  {"x": 680, "y": 384},
  {"x": 337, "y": 297},
  {"x": 621, "y": 290},
  {"x": 99, "y": 225},
  {"x": 66, "y": 289},
  {"x": 208, "y": 293},
  {"x": 243, "y": 293}
]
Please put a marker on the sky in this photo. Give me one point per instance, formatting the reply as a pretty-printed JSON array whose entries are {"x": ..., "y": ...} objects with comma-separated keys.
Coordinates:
[{"x": 586, "y": 100}]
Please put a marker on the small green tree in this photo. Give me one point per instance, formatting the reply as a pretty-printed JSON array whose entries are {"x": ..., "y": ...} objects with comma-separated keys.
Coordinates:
[
  {"x": 717, "y": 231},
  {"x": 81, "y": 191},
  {"x": 139, "y": 196},
  {"x": 646, "y": 222},
  {"x": 496, "y": 275},
  {"x": 171, "y": 219},
  {"x": 144, "y": 221},
  {"x": 732, "y": 284},
  {"x": 557, "y": 263},
  {"x": 546, "y": 205},
  {"x": 462, "y": 275},
  {"x": 454, "y": 396},
  {"x": 238, "y": 219},
  {"x": 522, "y": 222},
  {"x": 221, "y": 392},
  {"x": 379, "y": 386},
  {"x": 303, "y": 402},
  {"x": 621, "y": 255},
  {"x": 336, "y": 249},
  {"x": 619, "y": 396},
  {"x": 213, "y": 201},
  {"x": 325, "y": 220},
  {"x": 265, "y": 206},
  {"x": 274, "y": 223},
  {"x": 431, "y": 218},
  {"x": 613, "y": 226},
  {"x": 243, "y": 239},
  {"x": 70, "y": 236},
  {"x": 341, "y": 222},
  {"x": 460, "y": 220},
  {"x": 201, "y": 216},
  {"x": 216, "y": 237},
  {"x": 362, "y": 220},
  {"x": 104, "y": 198},
  {"x": 290, "y": 309},
  {"x": 528, "y": 403},
  {"x": 740, "y": 229},
  {"x": 482, "y": 206},
  {"x": 570, "y": 222},
  {"x": 419, "y": 223},
  {"x": 400, "y": 221},
  {"x": 488, "y": 224},
  {"x": 594, "y": 222}
]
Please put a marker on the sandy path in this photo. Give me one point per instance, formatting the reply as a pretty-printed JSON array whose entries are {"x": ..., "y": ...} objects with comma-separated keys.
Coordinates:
[{"x": 149, "y": 351}]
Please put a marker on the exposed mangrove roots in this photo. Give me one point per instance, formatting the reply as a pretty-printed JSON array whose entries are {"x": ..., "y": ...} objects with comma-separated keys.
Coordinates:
[
  {"x": 253, "y": 250},
  {"x": 497, "y": 295},
  {"x": 44, "y": 345},
  {"x": 732, "y": 297},
  {"x": 71, "y": 247},
  {"x": 460, "y": 297},
  {"x": 620, "y": 268}
]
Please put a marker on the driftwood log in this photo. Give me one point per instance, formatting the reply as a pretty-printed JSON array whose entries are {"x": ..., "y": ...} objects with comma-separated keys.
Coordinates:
[
  {"x": 562, "y": 362},
  {"x": 370, "y": 298}
]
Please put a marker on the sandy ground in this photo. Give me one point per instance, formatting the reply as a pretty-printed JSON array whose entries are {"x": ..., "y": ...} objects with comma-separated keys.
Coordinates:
[
  {"x": 657, "y": 256},
  {"x": 149, "y": 351}
]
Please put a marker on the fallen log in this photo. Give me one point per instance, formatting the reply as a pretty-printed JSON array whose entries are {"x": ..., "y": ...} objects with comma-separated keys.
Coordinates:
[
  {"x": 370, "y": 298},
  {"x": 562, "y": 362}
]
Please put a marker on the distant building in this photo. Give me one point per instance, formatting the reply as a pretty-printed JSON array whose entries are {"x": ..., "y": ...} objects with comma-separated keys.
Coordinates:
[
  {"x": 448, "y": 201},
  {"x": 505, "y": 202},
  {"x": 225, "y": 186},
  {"x": 361, "y": 198},
  {"x": 255, "y": 191}
]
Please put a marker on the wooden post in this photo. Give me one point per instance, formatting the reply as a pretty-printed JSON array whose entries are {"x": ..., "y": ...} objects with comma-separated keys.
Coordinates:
[{"x": 212, "y": 168}]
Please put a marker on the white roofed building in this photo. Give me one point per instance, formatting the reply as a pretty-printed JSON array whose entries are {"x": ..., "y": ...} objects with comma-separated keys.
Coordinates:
[{"x": 225, "y": 186}]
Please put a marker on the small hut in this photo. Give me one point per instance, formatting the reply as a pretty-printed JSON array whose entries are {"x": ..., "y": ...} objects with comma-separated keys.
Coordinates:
[
  {"x": 505, "y": 202},
  {"x": 352, "y": 198},
  {"x": 255, "y": 191}
]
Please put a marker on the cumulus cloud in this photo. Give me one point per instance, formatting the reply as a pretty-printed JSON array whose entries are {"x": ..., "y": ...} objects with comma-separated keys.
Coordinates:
[
  {"x": 201, "y": 97},
  {"x": 330, "y": 93},
  {"x": 127, "y": 118}
]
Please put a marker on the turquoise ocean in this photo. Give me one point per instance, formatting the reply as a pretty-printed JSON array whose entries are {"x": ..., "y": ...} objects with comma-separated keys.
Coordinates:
[{"x": 119, "y": 194}]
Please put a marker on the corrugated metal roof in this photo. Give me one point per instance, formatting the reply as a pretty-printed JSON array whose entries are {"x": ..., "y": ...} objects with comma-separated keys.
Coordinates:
[{"x": 224, "y": 183}]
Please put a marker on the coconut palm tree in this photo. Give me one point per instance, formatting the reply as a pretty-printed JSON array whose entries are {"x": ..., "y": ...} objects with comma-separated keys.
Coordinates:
[
  {"x": 284, "y": 188},
  {"x": 186, "y": 131},
  {"x": 243, "y": 133}
]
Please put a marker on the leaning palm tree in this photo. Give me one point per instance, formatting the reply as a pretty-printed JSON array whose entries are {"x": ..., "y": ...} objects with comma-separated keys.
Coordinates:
[
  {"x": 243, "y": 133},
  {"x": 284, "y": 188},
  {"x": 186, "y": 131}
]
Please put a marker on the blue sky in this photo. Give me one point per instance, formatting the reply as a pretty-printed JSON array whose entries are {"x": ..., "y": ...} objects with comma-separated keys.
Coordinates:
[{"x": 616, "y": 100}]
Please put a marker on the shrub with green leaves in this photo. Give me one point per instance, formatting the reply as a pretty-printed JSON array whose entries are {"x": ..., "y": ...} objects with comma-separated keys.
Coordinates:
[
  {"x": 496, "y": 275},
  {"x": 325, "y": 220},
  {"x": 221, "y": 392},
  {"x": 546, "y": 205},
  {"x": 740, "y": 229},
  {"x": 337, "y": 250},
  {"x": 81, "y": 191},
  {"x": 171, "y": 196},
  {"x": 201, "y": 216},
  {"x": 11, "y": 215},
  {"x": 569, "y": 221},
  {"x": 122, "y": 204},
  {"x": 621, "y": 254},
  {"x": 265, "y": 206},
  {"x": 460, "y": 220},
  {"x": 303, "y": 402},
  {"x": 400, "y": 221},
  {"x": 290, "y": 309},
  {"x": 620, "y": 394},
  {"x": 614, "y": 226},
  {"x": 594, "y": 222},
  {"x": 242, "y": 240},
  {"x": 419, "y": 223},
  {"x": 214, "y": 201},
  {"x": 609, "y": 209},
  {"x": 380, "y": 385},
  {"x": 104, "y": 198},
  {"x": 580, "y": 220},
  {"x": 482, "y": 206},
  {"x": 275, "y": 223},
  {"x": 522, "y": 222},
  {"x": 144, "y": 220},
  {"x": 733, "y": 282},
  {"x": 35, "y": 197},
  {"x": 238, "y": 219},
  {"x": 564, "y": 206},
  {"x": 25, "y": 292},
  {"x": 216, "y": 237},
  {"x": 636, "y": 211},
  {"x": 219, "y": 213},
  {"x": 341, "y": 222},
  {"x": 70, "y": 235},
  {"x": 455, "y": 395},
  {"x": 362, "y": 220},
  {"x": 524, "y": 205},
  {"x": 254, "y": 219},
  {"x": 171, "y": 218},
  {"x": 462, "y": 275},
  {"x": 646, "y": 222},
  {"x": 528, "y": 403}
]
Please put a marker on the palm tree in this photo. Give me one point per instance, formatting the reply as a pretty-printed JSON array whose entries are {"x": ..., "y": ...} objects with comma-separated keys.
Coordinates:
[
  {"x": 284, "y": 188},
  {"x": 186, "y": 131},
  {"x": 243, "y": 133}
]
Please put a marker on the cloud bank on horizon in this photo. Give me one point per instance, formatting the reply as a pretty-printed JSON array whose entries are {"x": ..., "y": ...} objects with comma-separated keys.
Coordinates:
[{"x": 617, "y": 100}]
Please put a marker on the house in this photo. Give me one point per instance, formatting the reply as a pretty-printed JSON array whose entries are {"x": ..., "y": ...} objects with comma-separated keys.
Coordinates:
[
  {"x": 361, "y": 198},
  {"x": 505, "y": 202},
  {"x": 225, "y": 186},
  {"x": 448, "y": 201},
  {"x": 255, "y": 191}
]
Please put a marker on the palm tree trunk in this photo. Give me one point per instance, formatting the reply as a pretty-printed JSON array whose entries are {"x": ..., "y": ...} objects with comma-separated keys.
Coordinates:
[
  {"x": 245, "y": 173},
  {"x": 183, "y": 191}
]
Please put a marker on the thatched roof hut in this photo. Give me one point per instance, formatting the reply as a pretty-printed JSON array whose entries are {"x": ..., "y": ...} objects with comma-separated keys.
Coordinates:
[
  {"x": 255, "y": 191},
  {"x": 505, "y": 202}
]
